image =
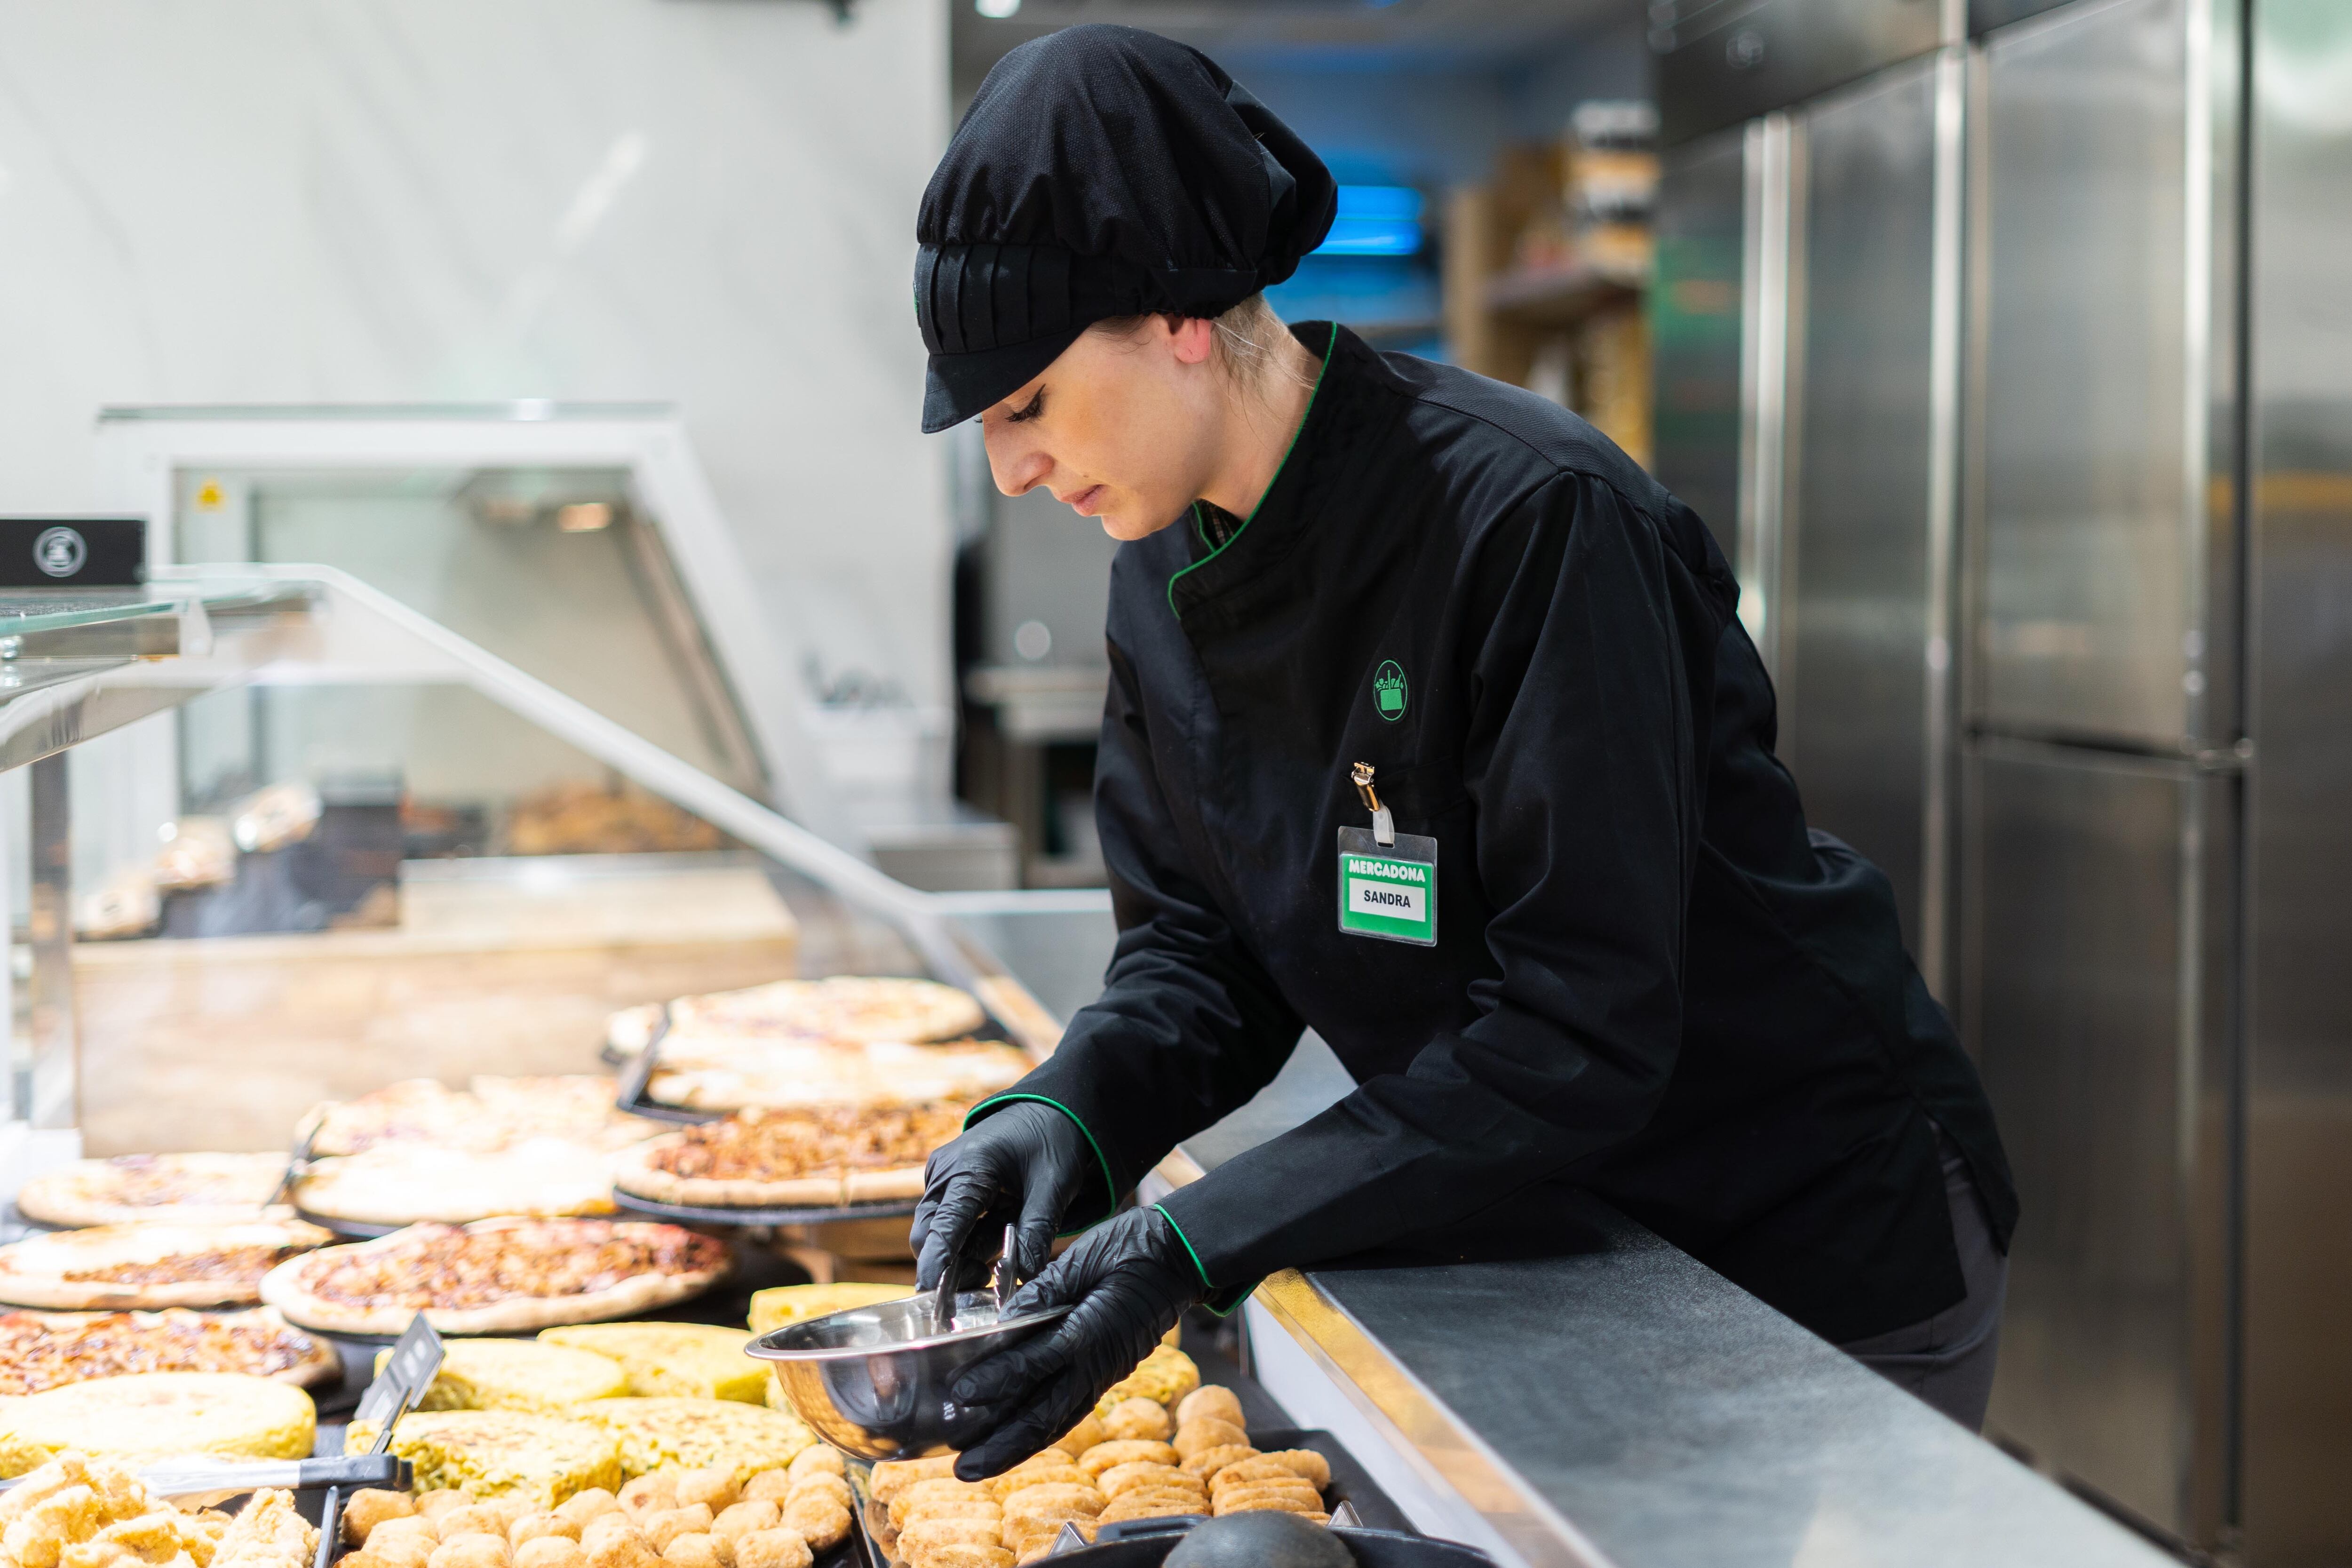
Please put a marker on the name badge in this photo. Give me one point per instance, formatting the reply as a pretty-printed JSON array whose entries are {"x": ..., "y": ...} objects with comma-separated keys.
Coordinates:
[{"x": 1388, "y": 890}]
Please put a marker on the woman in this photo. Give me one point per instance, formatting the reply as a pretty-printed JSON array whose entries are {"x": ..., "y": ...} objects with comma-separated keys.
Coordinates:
[{"x": 1430, "y": 728}]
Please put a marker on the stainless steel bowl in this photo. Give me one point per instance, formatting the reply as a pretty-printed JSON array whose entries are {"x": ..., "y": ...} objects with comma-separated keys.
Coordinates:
[{"x": 873, "y": 1381}]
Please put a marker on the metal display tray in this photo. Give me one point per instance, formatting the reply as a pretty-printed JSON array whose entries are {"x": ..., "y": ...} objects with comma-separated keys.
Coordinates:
[{"x": 695, "y": 1214}]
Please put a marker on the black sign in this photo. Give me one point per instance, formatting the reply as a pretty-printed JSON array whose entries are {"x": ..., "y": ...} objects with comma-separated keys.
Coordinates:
[
  {"x": 407, "y": 1373},
  {"x": 72, "y": 551}
]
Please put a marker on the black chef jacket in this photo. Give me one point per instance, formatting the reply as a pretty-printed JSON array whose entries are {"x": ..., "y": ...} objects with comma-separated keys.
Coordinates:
[{"x": 1651, "y": 980}]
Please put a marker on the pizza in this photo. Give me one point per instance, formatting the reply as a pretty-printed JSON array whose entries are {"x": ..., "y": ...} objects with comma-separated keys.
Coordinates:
[
  {"x": 802, "y": 1073},
  {"x": 816, "y": 1157},
  {"x": 50, "y": 1350},
  {"x": 129, "y": 1266},
  {"x": 497, "y": 1276},
  {"x": 408, "y": 1184},
  {"x": 200, "y": 1189},
  {"x": 842, "y": 1007},
  {"x": 491, "y": 1114}
]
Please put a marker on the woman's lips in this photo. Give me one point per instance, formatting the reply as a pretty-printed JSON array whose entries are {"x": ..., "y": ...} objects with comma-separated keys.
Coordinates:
[{"x": 1084, "y": 502}]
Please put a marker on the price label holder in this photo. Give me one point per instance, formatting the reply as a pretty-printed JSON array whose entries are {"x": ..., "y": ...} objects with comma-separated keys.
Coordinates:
[{"x": 408, "y": 1371}]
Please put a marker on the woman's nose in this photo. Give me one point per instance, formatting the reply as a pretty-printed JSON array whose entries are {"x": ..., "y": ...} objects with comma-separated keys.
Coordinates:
[{"x": 1017, "y": 469}]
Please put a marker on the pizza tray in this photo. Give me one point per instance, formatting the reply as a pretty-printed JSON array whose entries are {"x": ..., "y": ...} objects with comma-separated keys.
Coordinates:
[
  {"x": 696, "y": 1214},
  {"x": 354, "y": 1229}
]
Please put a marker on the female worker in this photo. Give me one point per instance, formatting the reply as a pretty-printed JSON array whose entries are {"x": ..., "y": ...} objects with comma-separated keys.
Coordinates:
[{"x": 1585, "y": 940}]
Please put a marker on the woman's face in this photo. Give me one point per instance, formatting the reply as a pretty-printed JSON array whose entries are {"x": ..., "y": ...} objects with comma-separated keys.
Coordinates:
[{"x": 1122, "y": 427}]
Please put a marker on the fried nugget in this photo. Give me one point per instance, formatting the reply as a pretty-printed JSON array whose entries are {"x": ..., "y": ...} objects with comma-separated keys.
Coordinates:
[
  {"x": 550, "y": 1551},
  {"x": 1142, "y": 1472},
  {"x": 532, "y": 1526},
  {"x": 1209, "y": 1461},
  {"x": 821, "y": 1520},
  {"x": 772, "y": 1549},
  {"x": 406, "y": 1529},
  {"x": 1210, "y": 1401},
  {"x": 894, "y": 1476},
  {"x": 667, "y": 1525},
  {"x": 821, "y": 1485},
  {"x": 584, "y": 1506},
  {"x": 758, "y": 1513},
  {"x": 1257, "y": 1468},
  {"x": 817, "y": 1460},
  {"x": 610, "y": 1527},
  {"x": 925, "y": 1533},
  {"x": 1086, "y": 1498},
  {"x": 1103, "y": 1456},
  {"x": 397, "y": 1551},
  {"x": 694, "y": 1549},
  {"x": 653, "y": 1493},
  {"x": 1266, "y": 1504},
  {"x": 370, "y": 1506},
  {"x": 1082, "y": 1436},
  {"x": 1207, "y": 1432},
  {"x": 927, "y": 1494},
  {"x": 713, "y": 1487},
  {"x": 1137, "y": 1419},
  {"x": 1291, "y": 1495},
  {"x": 434, "y": 1504},
  {"x": 470, "y": 1549},
  {"x": 1306, "y": 1464},
  {"x": 955, "y": 1554}
]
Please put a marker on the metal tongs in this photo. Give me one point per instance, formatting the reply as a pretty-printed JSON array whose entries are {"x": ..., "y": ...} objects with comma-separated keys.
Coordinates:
[{"x": 1002, "y": 1281}]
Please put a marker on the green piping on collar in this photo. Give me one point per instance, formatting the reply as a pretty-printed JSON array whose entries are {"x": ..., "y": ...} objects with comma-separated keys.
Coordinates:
[{"x": 1308, "y": 414}]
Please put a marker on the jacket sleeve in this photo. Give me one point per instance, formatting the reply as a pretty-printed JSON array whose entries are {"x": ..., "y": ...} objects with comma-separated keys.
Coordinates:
[
  {"x": 1589, "y": 645},
  {"x": 1189, "y": 1024}
]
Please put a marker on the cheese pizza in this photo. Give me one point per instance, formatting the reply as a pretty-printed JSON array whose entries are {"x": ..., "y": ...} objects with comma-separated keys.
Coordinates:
[
  {"x": 499, "y": 1276},
  {"x": 841, "y": 1008},
  {"x": 50, "y": 1350},
  {"x": 408, "y": 1184},
  {"x": 805, "y": 1073},
  {"x": 818, "y": 1157},
  {"x": 200, "y": 1189},
  {"x": 129, "y": 1266},
  {"x": 491, "y": 1115}
]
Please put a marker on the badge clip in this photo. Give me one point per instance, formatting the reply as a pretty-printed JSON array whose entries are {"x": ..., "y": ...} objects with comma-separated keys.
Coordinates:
[{"x": 1384, "y": 824}]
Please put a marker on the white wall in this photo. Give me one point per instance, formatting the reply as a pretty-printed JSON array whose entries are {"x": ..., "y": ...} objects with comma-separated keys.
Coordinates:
[{"x": 705, "y": 201}]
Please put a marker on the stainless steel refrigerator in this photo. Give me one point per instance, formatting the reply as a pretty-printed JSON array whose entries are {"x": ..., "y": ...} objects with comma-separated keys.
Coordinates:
[{"x": 2013, "y": 363}]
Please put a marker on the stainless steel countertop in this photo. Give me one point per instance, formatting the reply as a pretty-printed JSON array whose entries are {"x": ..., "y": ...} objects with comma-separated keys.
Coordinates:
[{"x": 1629, "y": 1406}]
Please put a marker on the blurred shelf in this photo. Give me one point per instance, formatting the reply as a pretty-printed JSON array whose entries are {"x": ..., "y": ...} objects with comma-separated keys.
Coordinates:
[{"x": 1561, "y": 295}]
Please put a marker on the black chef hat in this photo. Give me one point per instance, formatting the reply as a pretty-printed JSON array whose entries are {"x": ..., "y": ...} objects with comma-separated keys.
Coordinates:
[{"x": 1100, "y": 172}]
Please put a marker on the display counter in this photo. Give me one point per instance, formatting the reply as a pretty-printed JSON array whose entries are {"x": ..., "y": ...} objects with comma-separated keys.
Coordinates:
[{"x": 1627, "y": 1406}]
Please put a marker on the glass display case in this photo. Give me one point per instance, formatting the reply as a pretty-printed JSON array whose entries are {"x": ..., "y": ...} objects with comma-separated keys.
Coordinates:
[{"x": 277, "y": 836}]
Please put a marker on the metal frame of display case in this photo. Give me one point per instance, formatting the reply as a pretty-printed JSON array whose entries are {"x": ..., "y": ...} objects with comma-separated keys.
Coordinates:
[
  {"x": 143, "y": 451},
  {"x": 70, "y": 671}
]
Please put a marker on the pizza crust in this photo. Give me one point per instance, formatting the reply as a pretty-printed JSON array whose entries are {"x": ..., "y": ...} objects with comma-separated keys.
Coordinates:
[
  {"x": 34, "y": 1271},
  {"x": 288, "y": 1288},
  {"x": 894, "y": 1185},
  {"x": 635, "y": 1172}
]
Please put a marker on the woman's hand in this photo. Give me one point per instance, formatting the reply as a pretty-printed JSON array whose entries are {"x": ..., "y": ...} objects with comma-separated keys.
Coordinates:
[
  {"x": 1023, "y": 1166},
  {"x": 1131, "y": 1278}
]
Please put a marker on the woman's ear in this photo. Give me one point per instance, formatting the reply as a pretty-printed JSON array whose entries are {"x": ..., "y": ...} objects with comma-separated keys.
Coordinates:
[{"x": 1192, "y": 337}]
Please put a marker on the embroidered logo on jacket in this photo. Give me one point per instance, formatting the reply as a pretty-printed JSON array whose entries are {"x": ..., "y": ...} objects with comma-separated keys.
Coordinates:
[{"x": 1388, "y": 690}]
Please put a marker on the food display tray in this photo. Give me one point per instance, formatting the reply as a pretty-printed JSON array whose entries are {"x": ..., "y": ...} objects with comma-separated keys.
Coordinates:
[
  {"x": 354, "y": 1229},
  {"x": 695, "y": 1214}
]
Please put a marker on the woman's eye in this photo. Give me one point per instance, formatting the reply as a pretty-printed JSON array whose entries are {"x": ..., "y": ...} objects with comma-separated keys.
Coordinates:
[{"x": 1029, "y": 410}]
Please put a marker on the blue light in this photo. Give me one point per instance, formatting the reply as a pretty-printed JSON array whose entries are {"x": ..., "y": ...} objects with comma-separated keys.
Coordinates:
[{"x": 1375, "y": 220}]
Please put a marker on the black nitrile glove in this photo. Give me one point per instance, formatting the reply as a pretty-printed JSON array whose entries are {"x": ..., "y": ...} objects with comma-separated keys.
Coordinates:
[
  {"x": 1131, "y": 1278},
  {"x": 1023, "y": 1166}
]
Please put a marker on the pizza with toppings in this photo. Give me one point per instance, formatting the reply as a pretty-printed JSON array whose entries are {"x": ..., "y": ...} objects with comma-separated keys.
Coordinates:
[
  {"x": 50, "y": 1350},
  {"x": 127, "y": 1267},
  {"x": 817, "y": 1157},
  {"x": 777, "y": 1074},
  {"x": 491, "y": 1115},
  {"x": 497, "y": 1276},
  {"x": 410, "y": 1183},
  {"x": 842, "y": 1007},
  {"x": 198, "y": 1189}
]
